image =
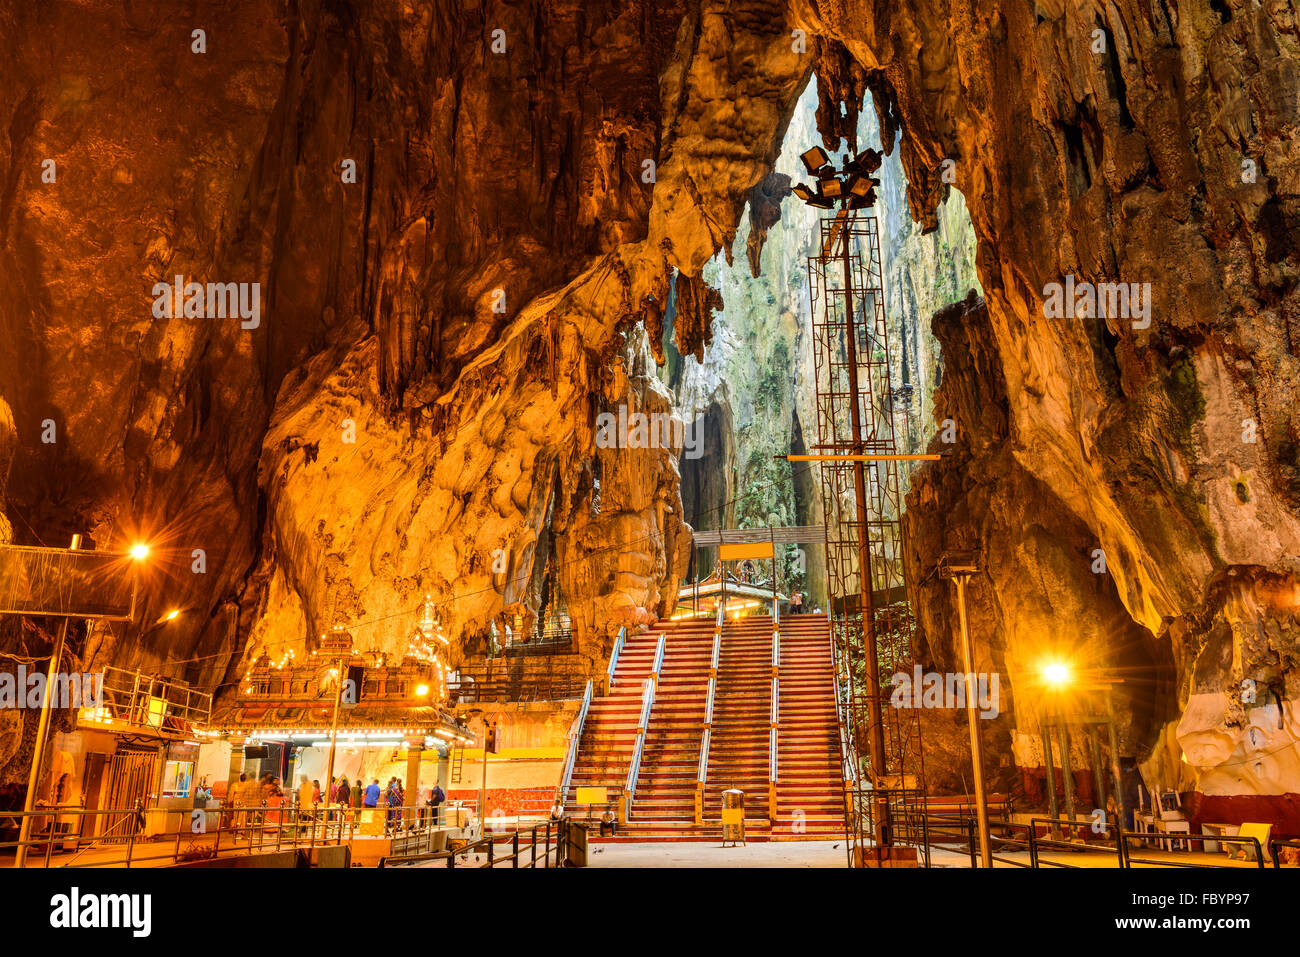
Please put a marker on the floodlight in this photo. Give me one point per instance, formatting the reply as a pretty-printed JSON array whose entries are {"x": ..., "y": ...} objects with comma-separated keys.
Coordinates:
[{"x": 814, "y": 159}]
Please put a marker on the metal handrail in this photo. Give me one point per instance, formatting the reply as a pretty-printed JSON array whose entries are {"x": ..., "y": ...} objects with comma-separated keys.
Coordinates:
[
  {"x": 634, "y": 768},
  {"x": 293, "y": 827},
  {"x": 571, "y": 752},
  {"x": 706, "y": 736},
  {"x": 557, "y": 846},
  {"x": 1126, "y": 861},
  {"x": 849, "y": 770},
  {"x": 613, "y": 658},
  {"x": 702, "y": 775},
  {"x": 659, "y": 656},
  {"x": 775, "y": 710},
  {"x": 771, "y": 756}
]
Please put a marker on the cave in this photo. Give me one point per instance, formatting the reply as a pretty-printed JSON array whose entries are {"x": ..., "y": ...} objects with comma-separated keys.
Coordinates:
[{"x": 316, "y": 315}]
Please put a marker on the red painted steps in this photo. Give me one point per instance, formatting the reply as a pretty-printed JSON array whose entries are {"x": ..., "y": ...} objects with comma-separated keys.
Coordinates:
[{"x": 809, "y": 790}]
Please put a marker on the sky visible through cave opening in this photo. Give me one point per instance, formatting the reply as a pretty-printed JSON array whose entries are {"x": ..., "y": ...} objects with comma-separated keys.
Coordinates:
[{"x": 753, "y": 390}]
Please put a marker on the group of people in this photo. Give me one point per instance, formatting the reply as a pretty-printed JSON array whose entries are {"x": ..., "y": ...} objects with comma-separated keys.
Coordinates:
[
  {"x": 355, "y": 795},
  {"x": 261, "y": 792}
]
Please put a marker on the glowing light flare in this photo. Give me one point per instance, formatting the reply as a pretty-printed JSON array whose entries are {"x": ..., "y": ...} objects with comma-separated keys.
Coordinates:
[
  {"x": 1057, "y": 674},
  {"x": 139, "y": 551}
]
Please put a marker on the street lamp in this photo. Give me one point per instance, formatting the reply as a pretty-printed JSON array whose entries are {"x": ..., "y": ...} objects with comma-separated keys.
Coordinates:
[
  {"x": 960, "y": 566},
  {"x": 162, "y": 621}
]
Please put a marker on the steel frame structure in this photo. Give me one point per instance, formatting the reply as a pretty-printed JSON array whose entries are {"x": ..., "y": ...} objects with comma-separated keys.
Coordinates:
[{"x": 872, "y": 624}]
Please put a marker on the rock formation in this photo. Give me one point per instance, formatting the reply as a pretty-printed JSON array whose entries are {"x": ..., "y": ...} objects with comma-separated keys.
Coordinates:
[{"x": 458, "y": 220}]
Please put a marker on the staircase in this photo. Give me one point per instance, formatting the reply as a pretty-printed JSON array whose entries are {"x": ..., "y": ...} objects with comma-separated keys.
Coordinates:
[
  {"x": 810, "y": 786},
  {"x": 605, "y": 750},
  {"x": 738, "y": 756},
  {"x": 809, "y": 793},
  {"x": 664, "y": 803}
]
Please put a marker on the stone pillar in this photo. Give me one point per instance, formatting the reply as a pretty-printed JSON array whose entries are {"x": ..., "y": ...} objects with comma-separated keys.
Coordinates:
[{"x": 414, "y": 749}]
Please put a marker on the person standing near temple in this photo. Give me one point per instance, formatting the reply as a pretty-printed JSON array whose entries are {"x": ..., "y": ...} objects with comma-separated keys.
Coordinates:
[
  {"x": 304, "y": 795},
  {"x": 436, "y": 798},
  {"x": 394, "y": 798}
]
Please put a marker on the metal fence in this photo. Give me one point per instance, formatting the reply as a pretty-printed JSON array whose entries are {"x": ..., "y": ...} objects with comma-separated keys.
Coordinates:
[
  {"x": 57, "y": 841},
  {"x": 542, "y": 845}
]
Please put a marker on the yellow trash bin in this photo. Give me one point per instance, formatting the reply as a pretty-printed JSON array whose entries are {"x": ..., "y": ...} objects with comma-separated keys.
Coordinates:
[{"x": 733, "y": 816}]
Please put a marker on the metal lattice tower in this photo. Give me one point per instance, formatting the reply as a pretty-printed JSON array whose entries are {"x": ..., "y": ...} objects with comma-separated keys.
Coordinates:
[{"x": 855, "y": 416}]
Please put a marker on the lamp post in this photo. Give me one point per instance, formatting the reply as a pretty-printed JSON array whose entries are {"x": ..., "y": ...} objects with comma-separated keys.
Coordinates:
[
  {"x": 338, "y": 638},
  {"x": 1057, "y": 676},
  {"x": 960, "y": 566}
]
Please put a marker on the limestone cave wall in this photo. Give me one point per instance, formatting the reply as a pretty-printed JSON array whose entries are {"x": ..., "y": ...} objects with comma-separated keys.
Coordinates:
[{"x": 456, "y": 240}]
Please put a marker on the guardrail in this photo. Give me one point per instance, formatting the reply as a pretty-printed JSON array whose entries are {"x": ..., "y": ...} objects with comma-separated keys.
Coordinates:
[
  {"x": 613, "y": 658},
  {"x": 922, "y": 830},
  {"x": 1127, "y": 860},
  {"x": 706, "y": 736},
  {"x": 554, "y": 845},
  {"x": 239, "y": 830},
  {"x": 571, "y": 752},
  {"x": 774, "y": 718},
  {"x": 847, "y": 766},
  {"x": 634, "y": 768},
  {"x": 1275, "y": 844}
]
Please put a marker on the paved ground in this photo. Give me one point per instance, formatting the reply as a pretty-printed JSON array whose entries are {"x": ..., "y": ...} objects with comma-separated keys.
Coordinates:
[{"x": 713, "y": 854}]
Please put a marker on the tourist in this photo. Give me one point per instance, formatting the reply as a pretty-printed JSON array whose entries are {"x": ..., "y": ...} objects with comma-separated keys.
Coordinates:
[
  {"x": 557, "y": 811},
  {"x": 394, "y": 797},
  {"x": 358, "y": 790},
  {"x": 436, "y": 797},
  {"x": 343, "y": 792},
  {"x": 315, "y": 792},
  {"x": 608, "y": 823},
  {"x": 372, "y": 794},
  {"x": 304, "y": 796},
  {"x": 796, "y": 603}
]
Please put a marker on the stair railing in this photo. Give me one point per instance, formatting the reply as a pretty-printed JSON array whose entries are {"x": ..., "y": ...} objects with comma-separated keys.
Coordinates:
[
  {"x": 847, "y": 766},
  {"x": 774, "y": 721},
  {"x": 659, "y": 658},
  {"x": 706, "y": 737},
  {"x": 634, "y": 768},
  {"x": 613, "y": 659},
  {"x": 571, "y": 754}
]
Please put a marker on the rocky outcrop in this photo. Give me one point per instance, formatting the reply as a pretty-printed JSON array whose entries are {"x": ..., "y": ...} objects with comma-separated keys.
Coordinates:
[
  {"x": 453, "y": 218},
  {"x": 457, "y": 218},
  {"x": 1117, "y": 143}
]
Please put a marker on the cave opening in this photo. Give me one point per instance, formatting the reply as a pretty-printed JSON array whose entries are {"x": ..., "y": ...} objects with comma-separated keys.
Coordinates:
[{"x": 754, "y": 394}]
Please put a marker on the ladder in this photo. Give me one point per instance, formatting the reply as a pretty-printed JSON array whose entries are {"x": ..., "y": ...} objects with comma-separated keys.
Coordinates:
[{"x": 456, "y": 773}]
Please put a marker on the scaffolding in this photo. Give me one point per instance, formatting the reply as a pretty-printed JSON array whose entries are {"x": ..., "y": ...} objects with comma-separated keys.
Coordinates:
[{"x": 863, "y": 502}]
